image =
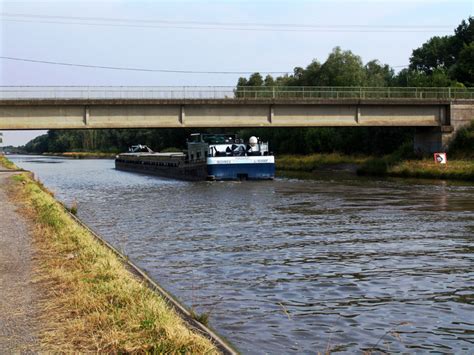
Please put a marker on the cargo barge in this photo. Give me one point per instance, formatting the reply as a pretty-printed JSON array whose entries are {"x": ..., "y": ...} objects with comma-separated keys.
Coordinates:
[{"x": 208, "y": 157}]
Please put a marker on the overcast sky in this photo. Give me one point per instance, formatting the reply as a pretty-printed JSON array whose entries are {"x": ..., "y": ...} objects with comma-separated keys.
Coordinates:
[{"x": 205, "y": 36}]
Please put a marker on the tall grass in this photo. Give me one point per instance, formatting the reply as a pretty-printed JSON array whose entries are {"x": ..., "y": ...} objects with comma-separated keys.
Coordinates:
[
  {"x": 7, "y": 163},
  {"x": 314, "y": 161},
  {"x": 92, "y": 302},
  {"x": 426, "y": 168},
  {"x": 382, "y": 165}
]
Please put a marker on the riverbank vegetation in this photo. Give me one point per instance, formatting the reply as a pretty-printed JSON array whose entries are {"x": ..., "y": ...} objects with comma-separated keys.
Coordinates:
[
  {"x": 405, "y": 163},
  {"x": 454, "y": 170},
  {"x": 83, "y": 155},
  {"x": 92, "y": 302},
  {"x": 419, "y": 168},
  {"x": 7, "y": 163},
  {"x": 313, "y": 162},
  {"x": 344, "y": 140}
]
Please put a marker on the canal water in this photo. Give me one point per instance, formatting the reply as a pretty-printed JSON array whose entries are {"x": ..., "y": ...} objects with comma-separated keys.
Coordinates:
[{"x": 294, "y": 265}]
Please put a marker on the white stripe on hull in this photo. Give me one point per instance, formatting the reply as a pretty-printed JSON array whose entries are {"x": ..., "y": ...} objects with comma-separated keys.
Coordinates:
[{"x": 241, "y": 160}]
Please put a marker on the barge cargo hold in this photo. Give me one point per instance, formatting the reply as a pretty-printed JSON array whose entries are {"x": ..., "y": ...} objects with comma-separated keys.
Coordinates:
[
  {"x": 208, "y": 157},
  {"x": 164, "y": 165},
  {"x": 141, "y": 159}
]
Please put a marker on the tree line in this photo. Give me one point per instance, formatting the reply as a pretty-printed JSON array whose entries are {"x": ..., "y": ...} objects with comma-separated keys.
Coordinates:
[{"x": 439, "y": 62}]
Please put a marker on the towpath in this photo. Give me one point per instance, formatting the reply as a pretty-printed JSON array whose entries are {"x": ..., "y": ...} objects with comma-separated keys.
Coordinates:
[{"x": 18, "y": 293}]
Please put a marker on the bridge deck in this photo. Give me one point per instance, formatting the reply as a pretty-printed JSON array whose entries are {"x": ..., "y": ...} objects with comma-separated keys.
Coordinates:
[{"x": 75, "y": 108}]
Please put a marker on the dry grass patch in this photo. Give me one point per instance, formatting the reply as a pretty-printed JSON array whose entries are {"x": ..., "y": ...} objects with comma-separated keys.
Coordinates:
[{"x": 93, "y": 303}]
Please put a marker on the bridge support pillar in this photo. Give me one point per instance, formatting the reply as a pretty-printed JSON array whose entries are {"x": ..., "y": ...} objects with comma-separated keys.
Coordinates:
[
  {"x": 433, "y": 139},
  {"x": 182, "y": 114},
  {"x": 86, "y": 115},
  {"x": 438, "y": 139}
]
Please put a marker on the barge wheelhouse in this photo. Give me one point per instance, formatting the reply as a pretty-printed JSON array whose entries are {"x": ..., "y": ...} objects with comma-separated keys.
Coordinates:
[{"x": 231, "y": 158}]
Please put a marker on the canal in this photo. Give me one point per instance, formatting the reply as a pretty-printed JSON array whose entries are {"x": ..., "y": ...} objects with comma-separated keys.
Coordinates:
[{"x": 293, "y": 265}]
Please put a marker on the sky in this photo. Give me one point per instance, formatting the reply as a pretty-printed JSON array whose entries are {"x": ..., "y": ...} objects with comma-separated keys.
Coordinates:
[{"x": 204, "y": 35}]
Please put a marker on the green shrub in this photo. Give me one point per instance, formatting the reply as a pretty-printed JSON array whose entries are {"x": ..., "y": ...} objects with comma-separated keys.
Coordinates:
[{"x": 463, "y": 144}]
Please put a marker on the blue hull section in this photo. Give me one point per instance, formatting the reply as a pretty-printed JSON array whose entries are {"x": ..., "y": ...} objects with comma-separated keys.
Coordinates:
[{"x": 242, "y": 171}]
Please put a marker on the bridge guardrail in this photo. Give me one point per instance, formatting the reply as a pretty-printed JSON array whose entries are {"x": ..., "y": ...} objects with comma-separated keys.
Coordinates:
[{"x": 231, "y": 92}]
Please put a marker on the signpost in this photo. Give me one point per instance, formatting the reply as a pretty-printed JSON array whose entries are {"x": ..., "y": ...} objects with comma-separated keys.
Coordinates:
[{"x": 440, "y": 158}]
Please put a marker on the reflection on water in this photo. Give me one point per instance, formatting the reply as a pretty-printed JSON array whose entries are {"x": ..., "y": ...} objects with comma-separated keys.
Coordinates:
[{"x": 294, "y": 265}]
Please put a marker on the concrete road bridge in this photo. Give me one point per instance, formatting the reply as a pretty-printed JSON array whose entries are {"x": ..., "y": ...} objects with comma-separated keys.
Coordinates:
[{"x": 436, "y": 112}]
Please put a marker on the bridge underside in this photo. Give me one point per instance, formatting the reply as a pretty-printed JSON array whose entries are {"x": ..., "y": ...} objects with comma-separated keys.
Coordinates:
[{"x": 77, "y": 114}]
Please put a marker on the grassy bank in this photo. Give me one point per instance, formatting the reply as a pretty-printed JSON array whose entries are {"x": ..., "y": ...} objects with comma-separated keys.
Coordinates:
[
  {"x": 398, "y": 164},
  {"x": 403, "y": 162},
  {"x": 425, "y": 168},
  {"x": 83, "y": 155},
  {"x": 92, "y": 302},
  {"x": 455, "y": 169},
  {"x": 308, "y": 163},
  {"x": 4, "y": 162}
]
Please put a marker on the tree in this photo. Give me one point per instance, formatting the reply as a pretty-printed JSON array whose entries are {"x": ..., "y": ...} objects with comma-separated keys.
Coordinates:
[
  {"x": 448, "y": 59},
  {"x": 464, "y": 35},
  {"x": 242, "y": 82},
  {"x": 417, "y": 78},
  {"x": 269, "y": 81},
  {"x": 463, "y": 70},
  {"x": 342, "y": 68},
  {"x": 433, "y": 54},
  {"x": 377, "y": 74},
  {"x": 255, "y": 80},
  {"x": 310, "y": 76}
]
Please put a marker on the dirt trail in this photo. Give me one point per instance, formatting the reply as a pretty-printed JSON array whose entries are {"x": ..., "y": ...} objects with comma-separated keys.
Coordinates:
[{"x": 18, "y": 293}]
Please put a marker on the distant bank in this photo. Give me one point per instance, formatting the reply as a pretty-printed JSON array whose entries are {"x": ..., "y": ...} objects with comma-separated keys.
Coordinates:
[
  {"x": 390, "y": 165},
  {"x": 83, "y": 155}
]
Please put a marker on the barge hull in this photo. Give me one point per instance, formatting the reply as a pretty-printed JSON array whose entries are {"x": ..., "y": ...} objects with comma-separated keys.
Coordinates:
[
  {"x": 189, "y": 172},
  {"x": 262, "y": 171}
]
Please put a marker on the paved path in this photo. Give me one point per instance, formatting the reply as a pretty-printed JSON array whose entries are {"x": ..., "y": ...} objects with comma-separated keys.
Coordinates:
[{"x": 18, "y": 296}]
